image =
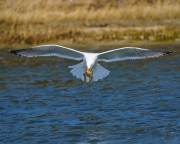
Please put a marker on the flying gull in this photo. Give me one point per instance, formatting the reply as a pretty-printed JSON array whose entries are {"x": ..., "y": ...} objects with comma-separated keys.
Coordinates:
[{"x": 89, "y": 69}]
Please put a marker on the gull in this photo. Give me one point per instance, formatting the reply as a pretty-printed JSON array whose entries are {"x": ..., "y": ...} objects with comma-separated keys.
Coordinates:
[{"x": 89, "y": 70}]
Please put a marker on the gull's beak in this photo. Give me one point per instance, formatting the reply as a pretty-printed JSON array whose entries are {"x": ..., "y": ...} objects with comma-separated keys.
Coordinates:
[{"x": 88, "y": 69}]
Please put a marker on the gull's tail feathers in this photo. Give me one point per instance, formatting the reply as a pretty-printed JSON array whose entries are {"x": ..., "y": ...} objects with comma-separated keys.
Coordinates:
[
  {"x": 78, "y": 70},
  {"x": 99, "y": 72}
]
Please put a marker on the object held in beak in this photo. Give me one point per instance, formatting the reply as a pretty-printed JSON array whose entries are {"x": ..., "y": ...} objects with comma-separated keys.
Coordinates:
[{"x": 89, "y": 74}]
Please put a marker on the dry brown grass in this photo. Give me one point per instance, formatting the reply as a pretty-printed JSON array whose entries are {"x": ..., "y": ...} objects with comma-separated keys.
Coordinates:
[{"x": 39, "y": 21}]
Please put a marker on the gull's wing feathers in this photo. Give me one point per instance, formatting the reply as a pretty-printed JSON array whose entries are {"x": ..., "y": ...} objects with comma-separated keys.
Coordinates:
[
  {"x": 49, "y": 50},
  {"x": 128, "y": 53}
]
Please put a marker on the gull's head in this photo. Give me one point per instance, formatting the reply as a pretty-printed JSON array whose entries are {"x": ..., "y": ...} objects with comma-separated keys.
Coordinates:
[
  {"x": 88, "y": 69},
  {"x": 90, "y": 65},
  {"x": 90, "y": 60}
]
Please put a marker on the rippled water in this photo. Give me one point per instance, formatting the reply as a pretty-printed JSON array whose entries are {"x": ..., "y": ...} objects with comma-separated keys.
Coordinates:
[{"x": 41, "y": 102}]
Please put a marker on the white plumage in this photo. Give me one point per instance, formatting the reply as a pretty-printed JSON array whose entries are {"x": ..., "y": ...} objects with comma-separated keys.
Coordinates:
[{"x": 89, "y": 60}]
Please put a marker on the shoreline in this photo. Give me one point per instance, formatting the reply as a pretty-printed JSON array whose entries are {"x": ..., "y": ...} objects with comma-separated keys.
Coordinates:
[
  {"x": 95, "y": 33},
  {"x": 99, "y": 45},
  {"x": 92, "y": 32}
]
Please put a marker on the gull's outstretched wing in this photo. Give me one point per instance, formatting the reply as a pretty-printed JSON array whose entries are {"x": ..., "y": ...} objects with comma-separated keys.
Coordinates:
[
  {"x": 129, "y": 53},
  {"x": 49, "y": 50}
]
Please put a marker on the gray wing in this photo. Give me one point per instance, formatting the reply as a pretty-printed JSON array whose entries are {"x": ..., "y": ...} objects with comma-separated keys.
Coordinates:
[
  {"x": 129, "y": 53},
  {"x": 49, "y": 50}
]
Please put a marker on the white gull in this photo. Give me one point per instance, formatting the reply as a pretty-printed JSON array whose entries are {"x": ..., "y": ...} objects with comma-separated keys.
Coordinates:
[{"x": 89, "y": 66}]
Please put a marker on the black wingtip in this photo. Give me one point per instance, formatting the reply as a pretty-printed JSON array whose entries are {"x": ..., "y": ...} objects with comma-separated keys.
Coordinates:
[
  {"x": 9, "y": 51},
  {"x": 14, "y": 52},
  {"x": 170, "y": 52}
]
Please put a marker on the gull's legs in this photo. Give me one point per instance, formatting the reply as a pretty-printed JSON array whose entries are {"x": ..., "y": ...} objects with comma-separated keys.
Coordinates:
[
  {"x": 84, "y": 77},
  {"x": 89, "y": 74},
  {"x": 90, "y": 78}
]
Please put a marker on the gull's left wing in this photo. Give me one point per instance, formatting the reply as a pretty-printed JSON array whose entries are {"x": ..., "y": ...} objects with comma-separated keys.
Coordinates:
[
  {"x": 49, "y": 50},
  {"x": 126, "y": 53}
]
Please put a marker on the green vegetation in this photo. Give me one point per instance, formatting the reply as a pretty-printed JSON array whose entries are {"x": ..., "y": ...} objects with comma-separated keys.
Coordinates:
[{"x": 45, "y": 21}]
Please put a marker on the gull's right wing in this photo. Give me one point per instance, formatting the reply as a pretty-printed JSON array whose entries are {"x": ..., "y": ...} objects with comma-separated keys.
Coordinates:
[{"x": 49, "y": 50}]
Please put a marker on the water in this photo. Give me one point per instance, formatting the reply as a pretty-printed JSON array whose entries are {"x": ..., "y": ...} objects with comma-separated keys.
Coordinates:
[{"x": 41, "y": 102}]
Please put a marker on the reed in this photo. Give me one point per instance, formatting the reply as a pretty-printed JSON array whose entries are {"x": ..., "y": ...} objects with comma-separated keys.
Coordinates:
[{"x": 40, "y": 21}]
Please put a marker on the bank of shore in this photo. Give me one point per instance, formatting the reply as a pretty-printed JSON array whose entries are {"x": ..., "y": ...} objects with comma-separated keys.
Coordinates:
[{"x": 86, "y": 22}]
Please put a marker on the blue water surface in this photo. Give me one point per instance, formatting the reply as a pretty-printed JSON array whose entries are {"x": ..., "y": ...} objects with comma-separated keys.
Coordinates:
[{"x": 41, "y": 102}]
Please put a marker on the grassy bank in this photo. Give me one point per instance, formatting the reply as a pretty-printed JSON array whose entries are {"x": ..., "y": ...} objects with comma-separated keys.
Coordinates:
[{"x": 43, "y": 21}]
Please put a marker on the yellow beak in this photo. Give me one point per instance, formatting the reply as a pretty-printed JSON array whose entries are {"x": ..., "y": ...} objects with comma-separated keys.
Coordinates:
[{"x": 88, "y": 69}]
